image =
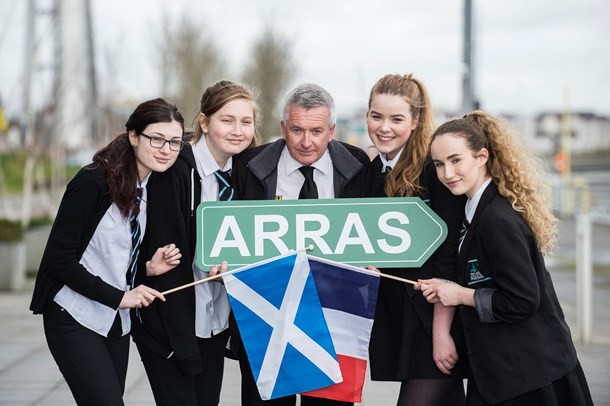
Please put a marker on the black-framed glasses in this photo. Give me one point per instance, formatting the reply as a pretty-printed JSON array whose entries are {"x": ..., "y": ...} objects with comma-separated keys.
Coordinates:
[{"x": 159, "y": 142}]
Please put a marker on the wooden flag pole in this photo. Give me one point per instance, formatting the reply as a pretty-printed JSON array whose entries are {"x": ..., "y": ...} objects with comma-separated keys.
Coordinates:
[
  {"x": 188, "y": 285},
  {"x": 220, "y": 275},
  {"x": 397, "y": 278}
]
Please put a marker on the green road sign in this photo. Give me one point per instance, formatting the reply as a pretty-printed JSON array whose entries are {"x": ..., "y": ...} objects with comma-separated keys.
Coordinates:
[{"x": 385, "y": 232}]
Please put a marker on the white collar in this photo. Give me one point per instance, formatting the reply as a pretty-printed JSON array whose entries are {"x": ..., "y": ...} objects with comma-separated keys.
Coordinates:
[
  {"x": 206, "y": 164},
  {"x": 392, "y": 162},
  {"x": 144, "y": 182},
  {"x": 471, "y": 204},
  {"x": 324, "y": 164}
]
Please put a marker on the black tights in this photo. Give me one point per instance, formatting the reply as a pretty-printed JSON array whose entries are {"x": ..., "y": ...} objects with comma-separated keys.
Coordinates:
[{"x": 431, "y": 392}]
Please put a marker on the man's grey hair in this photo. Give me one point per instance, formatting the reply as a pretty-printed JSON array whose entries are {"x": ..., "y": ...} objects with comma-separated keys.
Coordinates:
[{"x": 309, "y": 96}]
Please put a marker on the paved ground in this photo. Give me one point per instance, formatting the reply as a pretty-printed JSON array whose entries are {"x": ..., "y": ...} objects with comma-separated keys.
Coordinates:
[{"x": 29, "y": 376}]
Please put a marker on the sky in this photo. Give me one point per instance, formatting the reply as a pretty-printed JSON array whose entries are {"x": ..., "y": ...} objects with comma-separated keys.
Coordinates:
[{"x": 530, "y": 56}]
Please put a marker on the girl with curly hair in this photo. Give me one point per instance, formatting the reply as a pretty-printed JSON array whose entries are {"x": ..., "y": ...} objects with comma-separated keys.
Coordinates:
[{"x": 520, "y": 349}]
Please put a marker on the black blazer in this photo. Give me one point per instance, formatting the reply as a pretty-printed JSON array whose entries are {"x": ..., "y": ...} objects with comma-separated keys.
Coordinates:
[
  {"x": 408, "y": 359},
  {"x": 528, "y": 344},
  {"x": 255, "y": 170},
  {"x": 82, "y": 207},
  {"x": 169, "y": 327},
  {"x": 448, "y": 207}
]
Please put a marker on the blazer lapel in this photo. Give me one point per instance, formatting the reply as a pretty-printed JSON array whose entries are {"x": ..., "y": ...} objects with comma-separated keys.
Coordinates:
[{"x": 488, "y": 195}]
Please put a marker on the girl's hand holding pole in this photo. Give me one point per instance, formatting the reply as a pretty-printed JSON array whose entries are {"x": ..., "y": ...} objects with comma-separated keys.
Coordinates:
[
  {"x": 446, "y": 292},
  {"x": 140, "y": 296}
]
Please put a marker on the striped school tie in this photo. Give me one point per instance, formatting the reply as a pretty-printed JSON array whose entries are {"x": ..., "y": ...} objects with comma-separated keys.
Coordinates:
[
  {"x": 225, "y": 185},
  {"x": 465, "y": 225},
  {"x": 136, "y": 241}
]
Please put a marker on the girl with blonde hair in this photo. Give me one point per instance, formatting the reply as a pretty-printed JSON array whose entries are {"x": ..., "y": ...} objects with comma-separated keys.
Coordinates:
[{"x": 182, "y": 343}]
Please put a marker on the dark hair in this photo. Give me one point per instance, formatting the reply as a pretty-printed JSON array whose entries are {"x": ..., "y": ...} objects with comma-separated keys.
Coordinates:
[
  {"x": 118, "y": 157},
  {"x": 216, "y": 95}
]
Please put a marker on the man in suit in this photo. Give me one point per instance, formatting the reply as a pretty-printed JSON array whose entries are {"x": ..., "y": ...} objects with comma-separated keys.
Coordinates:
[{"x": 305, "y": 163}]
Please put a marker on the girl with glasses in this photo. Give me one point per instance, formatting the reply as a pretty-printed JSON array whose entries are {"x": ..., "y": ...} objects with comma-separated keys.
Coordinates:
[{"x": 84, "y": 286}]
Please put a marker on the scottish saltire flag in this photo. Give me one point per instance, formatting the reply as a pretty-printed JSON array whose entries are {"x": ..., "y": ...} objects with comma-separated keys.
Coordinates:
[
  {"x": 348, "y": 296},
  {"x": 282, "y": 326}
]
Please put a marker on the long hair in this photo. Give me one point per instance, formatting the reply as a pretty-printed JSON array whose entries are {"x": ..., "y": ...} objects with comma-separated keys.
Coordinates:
[
  {"x": 513, "y": 167},
  {"x": 219, "y": 93},
  {"x": 403, "y": 180},
  {"x": 118, "y": 157}
]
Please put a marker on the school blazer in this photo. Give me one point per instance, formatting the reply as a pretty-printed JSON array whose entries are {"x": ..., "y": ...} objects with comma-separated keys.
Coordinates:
[
  {"x": 255, "y": 170},
  {"x": 168, "y": 328},
  {"x": 449, "y": 208},
  {"x": 525, "y": 343},
  {"x": 86, "y": 200}
]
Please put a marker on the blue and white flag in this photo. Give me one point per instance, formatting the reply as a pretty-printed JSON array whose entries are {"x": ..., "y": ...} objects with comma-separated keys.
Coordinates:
[{"x": 282, "y": 326}]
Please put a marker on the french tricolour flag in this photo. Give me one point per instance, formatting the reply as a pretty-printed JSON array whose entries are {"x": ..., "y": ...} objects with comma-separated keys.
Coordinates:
[{"x": 348, "y": 296}]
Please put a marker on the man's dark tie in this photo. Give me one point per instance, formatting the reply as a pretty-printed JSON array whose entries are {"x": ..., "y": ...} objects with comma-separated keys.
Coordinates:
[
  {"x": 465, "y": 225},
  {"x": 136, "y": 241},
  {"x": 225, "y": 185},
  {"x": 309, "y": 190}
]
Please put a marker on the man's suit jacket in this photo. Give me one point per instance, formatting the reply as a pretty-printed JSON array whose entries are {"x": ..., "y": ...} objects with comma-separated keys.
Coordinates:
[{"x": 255, "y": 170}]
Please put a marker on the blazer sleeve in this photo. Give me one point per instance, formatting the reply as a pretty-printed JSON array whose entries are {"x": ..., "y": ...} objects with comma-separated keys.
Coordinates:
[
  {"x": 508, "y": 246},
  {"x": 169, "y": 220},
  {"x": 77, "y": 217}
]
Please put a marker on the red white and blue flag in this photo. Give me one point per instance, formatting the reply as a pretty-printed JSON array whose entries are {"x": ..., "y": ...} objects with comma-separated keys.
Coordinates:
[
  {"x": 348, "y": 296},
  {"x": 305, "y": 323}
]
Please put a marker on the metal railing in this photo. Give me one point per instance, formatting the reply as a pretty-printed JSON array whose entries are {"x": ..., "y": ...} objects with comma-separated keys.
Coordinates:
[{"x": 573, "y": 198}]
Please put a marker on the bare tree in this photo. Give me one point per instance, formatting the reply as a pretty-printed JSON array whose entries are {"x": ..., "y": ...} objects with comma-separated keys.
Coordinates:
[
  {"x": 270, "y": 70},
  {"x": 189, "y": 60}
]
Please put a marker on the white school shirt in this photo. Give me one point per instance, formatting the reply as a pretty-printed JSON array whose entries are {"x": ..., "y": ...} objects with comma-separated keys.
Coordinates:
[
  {"x": 392, "y": 162},
  {"x": 106, "y": 256},
  {"x": 290, "y": 179},
  {"x": 211, "y": 302}
]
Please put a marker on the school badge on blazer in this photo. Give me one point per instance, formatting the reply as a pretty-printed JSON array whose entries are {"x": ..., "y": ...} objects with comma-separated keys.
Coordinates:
[{"x": 475, "y": 275}]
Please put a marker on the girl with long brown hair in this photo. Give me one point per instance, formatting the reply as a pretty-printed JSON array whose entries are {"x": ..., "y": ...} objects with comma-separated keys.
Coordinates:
[
  {"x": 85, "y": 286},
  {"x": 411, "y": 340}
]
